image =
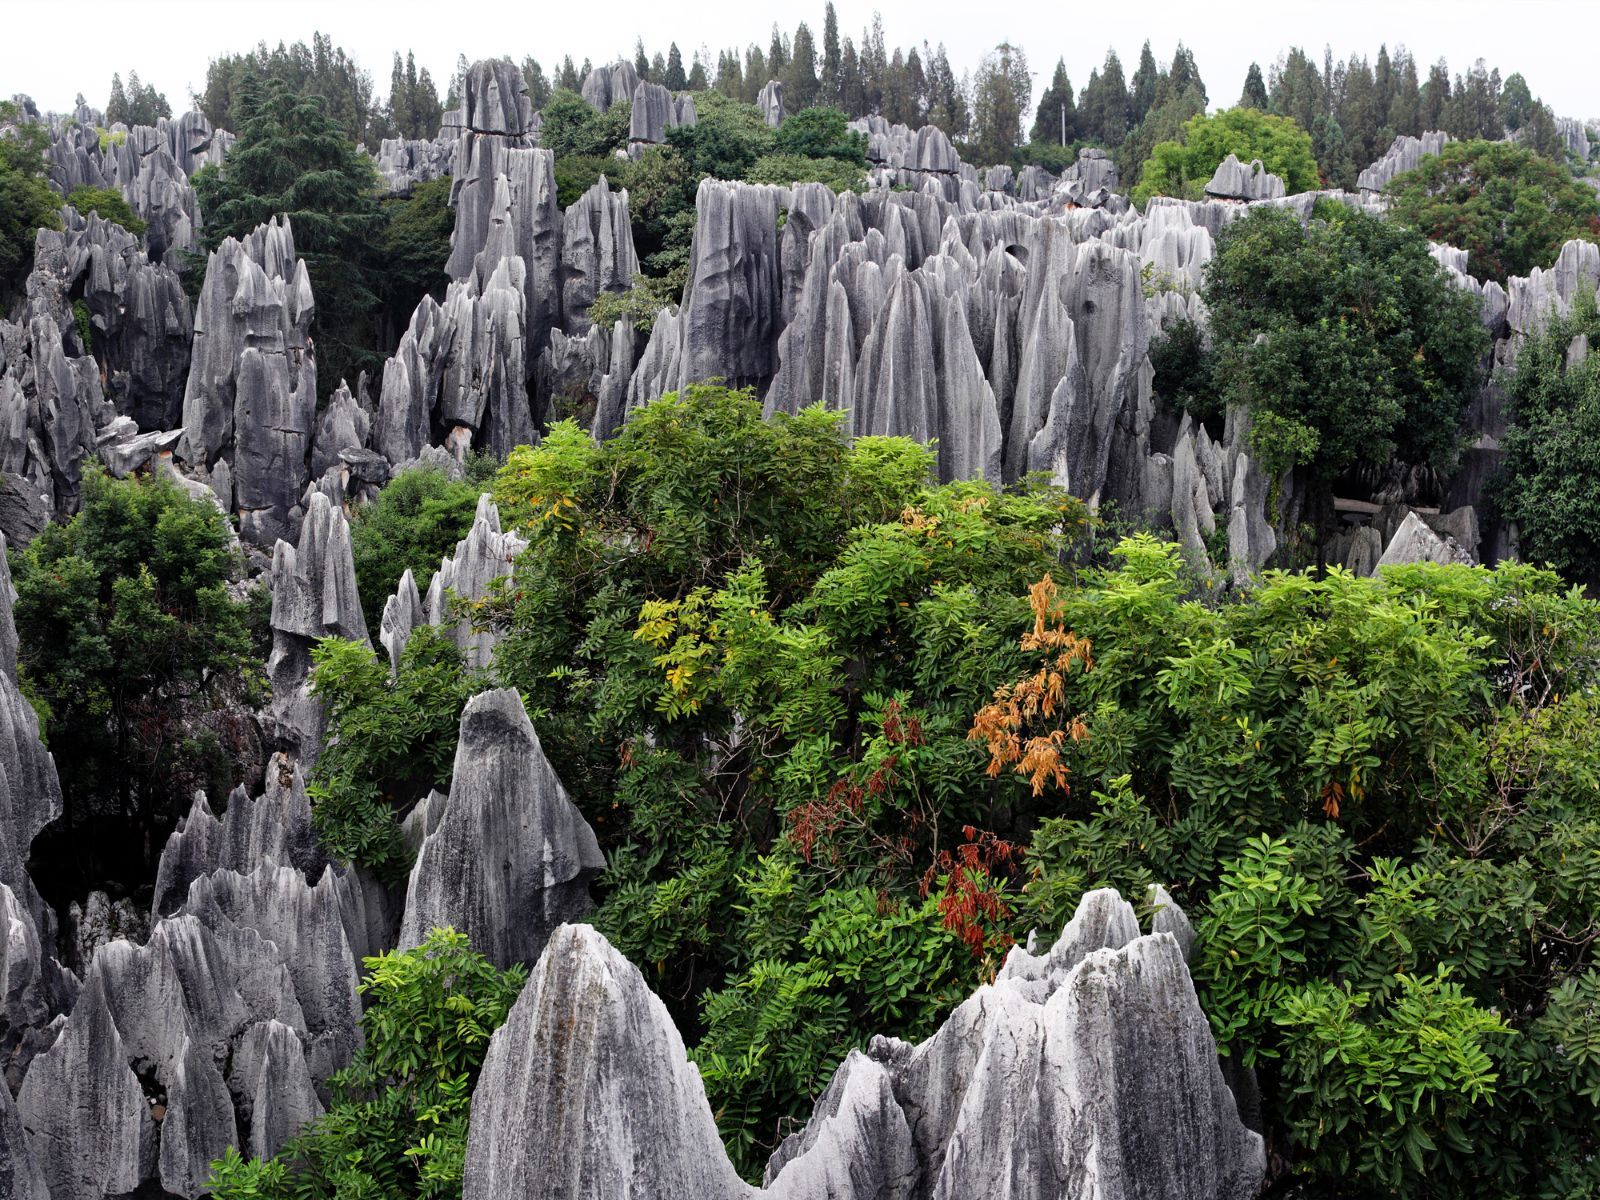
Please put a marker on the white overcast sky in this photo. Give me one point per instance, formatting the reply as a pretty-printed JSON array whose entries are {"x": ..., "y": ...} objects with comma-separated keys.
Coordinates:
[{"x": 53, "y": 49}]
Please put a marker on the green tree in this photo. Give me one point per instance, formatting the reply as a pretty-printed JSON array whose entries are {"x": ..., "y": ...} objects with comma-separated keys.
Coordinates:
[
  {"x": 574, "y": 127},
  {"x": 109, "y": 203},
  {"x": 820, "y": 133},
  {"x": 26, "y": 202},
  {"x": 1509, "y": 208},
  {"x": 1182, "y": 167},
  {"x": 1550, "y": 479},
  {"x": 413, "y": 245},
  {"x": 391, "y": 738},
  {"x": 397, "y": 1126},
  {"x": 1375, "y": 803},
  {"x": 1344, "y": 339},
  {"x": 1254, "y": 94},
  {"x": 725, "y": 141},
  {"x": 1516, "y": 103},
  {"x": 1057, "y": 117},
  {"x": 415, "y": 521},
  {"x": 292, "y": 159},
  {"x": 1000, "y": 95},
  {"x": 130, "y": 635},
  {"x": 413, "y": 106}
]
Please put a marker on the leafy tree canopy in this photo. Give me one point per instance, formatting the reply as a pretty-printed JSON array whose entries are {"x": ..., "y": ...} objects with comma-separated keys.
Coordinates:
[
  {"x": 109, "y": 203},
  {"x": 1509, "y": 208},
  {"x": 1550, "y": 480},
  {"x": 126, "y": 623},
  {"x": 397, "y": 1126},
  {"x": 1344, "y": 339},
  {"x": 293, "y": 159},
  {"x": 26, "y": 202},
  {"x": 1182, "y": 167}
]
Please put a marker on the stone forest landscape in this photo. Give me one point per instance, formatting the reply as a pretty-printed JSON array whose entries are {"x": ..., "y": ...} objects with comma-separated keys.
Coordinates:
[{"x": 804, "y": 618}]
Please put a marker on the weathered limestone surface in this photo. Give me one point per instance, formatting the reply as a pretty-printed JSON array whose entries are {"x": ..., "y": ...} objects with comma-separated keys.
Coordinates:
[
  {"x": 1404, "y": 154},
  {"x": 251, "y": 395},
  {"x": 1235, "y": 180},
  {"x": 770, "y": 102},
  {"x": 604, "y": 86},
  {"x": 511, "y": 858},
  {"x": 1086, "y": 1070},
  {"x": 314, "y": 596}
]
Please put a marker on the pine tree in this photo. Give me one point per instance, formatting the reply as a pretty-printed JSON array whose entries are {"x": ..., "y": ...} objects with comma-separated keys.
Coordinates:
[
  {"x": 1360, "y": 115},
  {"x": 1185, "y": 73},
  {"x": 832, "y": 61},
  {"x": 852, "y": 96},
  {"x": 1436, "y": 96},
  {"x": 676, "y": 80},
  {"x": 538, "y": 85},
  {"x": 730, "y": 75},
  {"x": 117, "y": 106},
  {"x": 1255, "y": 89},
  {"x": 999, "y": 98},
  {"x": 777, "y": 53},
  {"x": 755, "y": 73},
  {"x": 1297, "y": 90},
  {"x": 1332, "y": 152},
  {"x": 1405, "y": 112},
  {"x": 641, "y": 63},
  {"x": 917, "y": 88},
  {"x": 697, "y": 74},
  {"x": 293, "y": 159},
  {"x": 1056, "y": 121},
  {"x": 1145, "y": 78},
  {"x": 801, "y": 87},
  {"x": 1516, "y": 103}
]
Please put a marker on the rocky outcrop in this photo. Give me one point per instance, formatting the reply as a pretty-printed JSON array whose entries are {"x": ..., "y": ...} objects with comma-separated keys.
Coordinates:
[
  {"x": 251, "y": 396},
  {"x": 1086, "y": 1070},
  {"x": 511, "y": 858},
  {"x": 770, "y": 102},
  {"x": 314, "y": 596},
  {"x": 597, "y": 253},
  {"x": 1405, "y": 153},
  {"x": 1575, "y": 135},
  {"x": 403, "y": 163},
  {"x": 1415, "y": 542},
  {"x": 604, "y": 86},
  {"x": 656, "y": 110},
  {"x": 1235, "y": 180}
]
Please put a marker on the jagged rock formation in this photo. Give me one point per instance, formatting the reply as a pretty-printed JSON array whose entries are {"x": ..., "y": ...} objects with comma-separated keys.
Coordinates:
[
  {"x": 597, "y": 253},
  {"x": 510, "y": 858},
  {"x": 1404, "y": 154},
  {"x": 770, "y": 102},
  {"x": 403, "y": 163},
  {"x": 1087, "y": 1070},
  {"x": 483, "y": 556},
  {"x": 1575, "y": 135},
  {"x": 914, "y": 158},
  {"x": 656, "y": 110},
  {"x": 150, "y": 165},
  {"x": 139, "y": 316},
  {"x": 313, "y": 596},
  {"x": 1415, "y": 542},
  {"x": 251, "y": 399},
  {"x": 1236, "y": 181},
  {"x": 52, "y": 408},
  {"x": 604, "y": 86}
]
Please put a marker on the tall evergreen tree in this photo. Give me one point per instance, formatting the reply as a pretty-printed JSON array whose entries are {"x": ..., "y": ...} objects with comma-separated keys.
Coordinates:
[
  {"x": 292, "y": 159},
  {"x": 1185, "y": 73},
  {"x": 676, "y": 79},
  {"x": 730, "y": 75},
  {"x": 1056, "y": 120},
  {"x": 1516, "y": 103},
  {"x": 1332, "y": 151},
  {"x": 1360, "y": 114},
  {"x": 641, "y": 61},
  {"x": 117, "y": 105},
  {"x": 777, "y": 53},
  {"x": 538, "y": 86},
  {"x": 999, "y": 98},
  {"x": 832, "y": 58},
  {"x": 1385, "y": 82},
  {"x": 1255, "y": 89},
  {"x": 567, "y": 77},
  {"x": 917, "y": 87},
  {"x": 1436, "y": 96},
  {"x": 852, "y": 95},
  {"x": 1296, "y": 89},
  {"x": 801, "y": 87},
  {"x": 697, "y": 74},
  {"x": 1142, "y": 94},
  {"x": 1405, "y": 112}
]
